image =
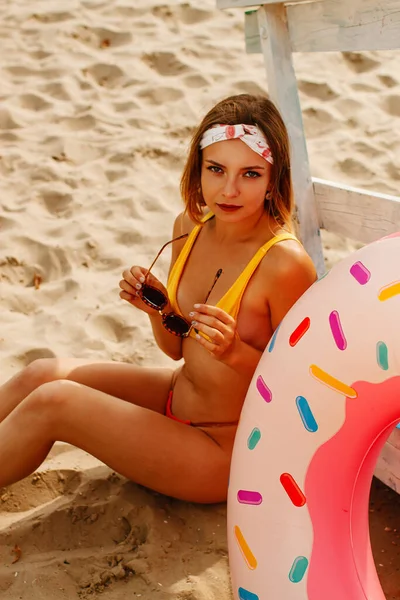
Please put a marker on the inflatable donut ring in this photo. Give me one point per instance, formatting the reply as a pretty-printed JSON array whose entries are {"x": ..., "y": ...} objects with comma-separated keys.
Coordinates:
[{"x": 322, "y": 402}]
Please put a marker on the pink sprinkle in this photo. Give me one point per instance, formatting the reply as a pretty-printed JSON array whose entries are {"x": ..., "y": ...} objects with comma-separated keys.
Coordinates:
[
  {"x": 248, "y": 497},
  {"x": 337, "y": 331},
  {"x": 263, "y": 389},
  {"x": 360, "y": 273}
]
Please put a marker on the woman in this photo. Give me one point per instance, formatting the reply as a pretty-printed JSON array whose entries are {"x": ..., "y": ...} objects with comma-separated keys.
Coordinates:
[{"x": 235, "y": 272}]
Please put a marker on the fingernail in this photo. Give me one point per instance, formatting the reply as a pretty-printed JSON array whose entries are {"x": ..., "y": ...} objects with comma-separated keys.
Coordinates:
[
  {"x": 197, "y": 306},
  {"x": 197, "y": 336},
  {"x": 141, "y": 279},
  {"x": 194, "y": 322},
  {"x": 138, "y": 286},
  {"x": 191, "y": 314}
]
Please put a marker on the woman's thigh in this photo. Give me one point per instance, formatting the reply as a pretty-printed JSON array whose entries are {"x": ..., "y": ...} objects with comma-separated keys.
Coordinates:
[
  {"x": 140, "y": 444},
  {"x": 145, "y": 386}
]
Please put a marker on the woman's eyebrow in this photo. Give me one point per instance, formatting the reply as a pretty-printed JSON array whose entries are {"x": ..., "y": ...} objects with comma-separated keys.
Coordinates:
[{"x": 217, "y": 164}]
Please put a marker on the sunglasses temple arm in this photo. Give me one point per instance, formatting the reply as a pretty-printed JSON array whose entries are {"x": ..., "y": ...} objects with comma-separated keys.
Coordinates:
[
  {"x": 165, "y": 245},
  {"x": 217, "y": 276}
]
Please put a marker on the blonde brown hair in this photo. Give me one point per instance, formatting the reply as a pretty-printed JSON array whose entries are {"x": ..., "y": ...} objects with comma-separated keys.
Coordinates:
[{"x": 249, "y": 110}]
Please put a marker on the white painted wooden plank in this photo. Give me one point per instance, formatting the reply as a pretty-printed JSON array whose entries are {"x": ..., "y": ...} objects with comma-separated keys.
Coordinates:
[
  {"x": 282, "y": 88},
  {"x": 252, "y": 32},
  {"x": 328, "y": 26},
  {"x": 246, "y": 3},
  {"x": 388, "y": 466},
  {"x": 357, "y": 214},
  {"x": 346, "y": 26}
]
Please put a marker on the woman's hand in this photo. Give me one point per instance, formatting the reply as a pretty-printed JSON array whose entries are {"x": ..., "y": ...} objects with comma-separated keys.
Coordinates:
[
  {"x": 220, "y": 328},
  {"x": 131, "y": 285}
]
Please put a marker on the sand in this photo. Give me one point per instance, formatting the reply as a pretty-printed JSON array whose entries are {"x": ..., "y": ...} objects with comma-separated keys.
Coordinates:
[{"x": 98, "y": 101}]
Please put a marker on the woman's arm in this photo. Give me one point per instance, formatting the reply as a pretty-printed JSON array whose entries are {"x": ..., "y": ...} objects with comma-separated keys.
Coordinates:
[{"x": 287, "y": 277}]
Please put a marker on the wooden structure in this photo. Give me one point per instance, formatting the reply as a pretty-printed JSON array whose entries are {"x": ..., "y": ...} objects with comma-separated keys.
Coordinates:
[{"x": 277, "y": 29}]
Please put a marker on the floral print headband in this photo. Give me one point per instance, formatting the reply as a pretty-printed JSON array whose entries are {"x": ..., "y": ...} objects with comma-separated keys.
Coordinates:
[{"x": 249, "y": 134}]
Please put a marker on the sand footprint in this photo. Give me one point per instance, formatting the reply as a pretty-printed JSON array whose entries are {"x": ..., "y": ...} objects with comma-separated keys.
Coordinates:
[
  {"x": 57, "y": 90},
  {"x": 165, "y": 63},
  {"x": 316, "y": 89},
  {"x": 360, "y": 62},
  {"x": 352, "y": 167},
  {"x": 7, "y": 120},
  {"x": 391, "y": 105},
  {"x": 318, "y": 121},
  {"x": 33, "y": 102},
  {"x": 388, "y": 81},
  {"x": 55, "y": 202},
  {"x": 98, "y": 37},
  {"x": 109, "y": 328},
  {"x": 160, "y": 95},
  {"x": 38, "y": 489},
  {"x": 105, "y": 75}
]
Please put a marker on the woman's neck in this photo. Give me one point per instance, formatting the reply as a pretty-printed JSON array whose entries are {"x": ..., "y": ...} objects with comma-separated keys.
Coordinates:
[{"x": 242, "y": 231}]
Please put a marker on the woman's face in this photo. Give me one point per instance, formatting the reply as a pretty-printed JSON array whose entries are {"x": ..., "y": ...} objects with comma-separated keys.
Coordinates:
[{"x": 234, "y": 180}]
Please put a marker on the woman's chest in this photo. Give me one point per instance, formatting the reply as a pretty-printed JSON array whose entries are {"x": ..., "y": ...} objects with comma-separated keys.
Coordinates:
[{"x": 238, "y": 283}]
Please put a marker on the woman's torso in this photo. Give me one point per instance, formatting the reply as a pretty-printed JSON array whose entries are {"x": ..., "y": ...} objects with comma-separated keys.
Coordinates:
[{"x": 206, "y": 390}]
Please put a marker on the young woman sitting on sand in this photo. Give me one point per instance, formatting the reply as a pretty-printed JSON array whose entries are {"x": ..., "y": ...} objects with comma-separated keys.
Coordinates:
[{"x": 235, "y": 272}]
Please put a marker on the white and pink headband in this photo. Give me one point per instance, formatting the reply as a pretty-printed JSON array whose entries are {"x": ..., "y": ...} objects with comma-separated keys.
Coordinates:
[{"x": 249, "y": 134}]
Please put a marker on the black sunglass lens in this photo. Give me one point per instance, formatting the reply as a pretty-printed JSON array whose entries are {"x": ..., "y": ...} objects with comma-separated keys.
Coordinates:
[
  {"x": 154, "y": 297},
  {"x": 176, "y": 324}
]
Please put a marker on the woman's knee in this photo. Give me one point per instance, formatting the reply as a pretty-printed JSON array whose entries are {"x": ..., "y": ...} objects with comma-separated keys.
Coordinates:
[
  {"x": 48, "y": 399},
  {"x": 40, "y": 371}
]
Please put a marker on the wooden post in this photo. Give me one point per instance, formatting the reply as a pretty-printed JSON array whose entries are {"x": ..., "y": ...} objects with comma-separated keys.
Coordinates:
[{"x": 282, "y": 87}]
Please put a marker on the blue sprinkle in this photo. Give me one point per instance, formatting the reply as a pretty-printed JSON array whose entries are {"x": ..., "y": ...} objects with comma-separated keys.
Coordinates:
[
  {"x": 382, "y": 355},
  {"x": 273, "y": 339},
  {"x": 254, "y": 438},
  {"x": 246, "y": 595},
  {"x": 298, "y": 569},
  {"x": 398, "y": 426},
  {"x": 322, "y": 276},
  {"x": 306, "y": 414}
]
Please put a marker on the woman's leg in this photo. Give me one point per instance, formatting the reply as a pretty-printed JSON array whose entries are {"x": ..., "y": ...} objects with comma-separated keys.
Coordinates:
[
  {"x": 140, "y": 444},
  {"x": 147, "y": 387}
]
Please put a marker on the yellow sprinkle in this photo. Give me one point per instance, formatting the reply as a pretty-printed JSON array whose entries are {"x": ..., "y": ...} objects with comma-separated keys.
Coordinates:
[
  {"x": 332, "y": 382},
  {"x": 389, "y": 291},
  {"x": 247, "y": 553}
]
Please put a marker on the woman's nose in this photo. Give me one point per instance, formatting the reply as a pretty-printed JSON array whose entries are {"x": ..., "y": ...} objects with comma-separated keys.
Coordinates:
[{"x": 231, "y": 189}]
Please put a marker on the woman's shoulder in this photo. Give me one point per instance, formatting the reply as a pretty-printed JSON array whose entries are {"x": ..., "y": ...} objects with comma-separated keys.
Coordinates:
[
  {"x": 289, "y": 263},
  {"x": 184, "y": 223}
]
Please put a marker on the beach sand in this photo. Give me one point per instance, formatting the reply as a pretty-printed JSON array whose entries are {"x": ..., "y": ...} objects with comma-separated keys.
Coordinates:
[{"x": 98, "y": 102}]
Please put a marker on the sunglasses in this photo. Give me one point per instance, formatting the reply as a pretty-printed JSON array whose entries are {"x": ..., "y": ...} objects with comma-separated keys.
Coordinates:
[{"x": 156, "y": 299}]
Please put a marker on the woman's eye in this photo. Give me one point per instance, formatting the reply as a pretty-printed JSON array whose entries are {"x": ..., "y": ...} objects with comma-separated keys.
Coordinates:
[
  {"x": 252, "y": 174},
  {"x": 214, "y": 169}
]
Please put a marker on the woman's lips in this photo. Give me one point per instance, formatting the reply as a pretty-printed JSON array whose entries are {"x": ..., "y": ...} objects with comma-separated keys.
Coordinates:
[{"x": 228, "y": 207}]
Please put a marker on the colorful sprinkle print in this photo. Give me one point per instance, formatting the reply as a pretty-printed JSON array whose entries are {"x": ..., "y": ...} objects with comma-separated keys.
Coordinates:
[
  {"x": 246, "y": 595},
  {"x": 292, "y": 489},
  {"x": 332, "y": 382},
  {"x": 247, "y": 497},
  {"x": 341, "y": 332},
  {"x": 254, "y": 438},
  {"x": 360, "y": 273},
  {"x": 337, "y": 331},
  {"x": 298, "y": 569},
  {"x": 389, "y": 291},
  {"x": 299, "y": 331},
  {"x": 306, "y": 414},
  {"x": 382, "y": 355},
  {"x": 263, "y": 389},
  {"x": 273, "y": 339},
  {"x": 247, "y": 553}
]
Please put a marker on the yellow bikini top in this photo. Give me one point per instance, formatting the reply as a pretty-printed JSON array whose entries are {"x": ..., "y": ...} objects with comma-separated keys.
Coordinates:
[{"x": 230, "y": 302}]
